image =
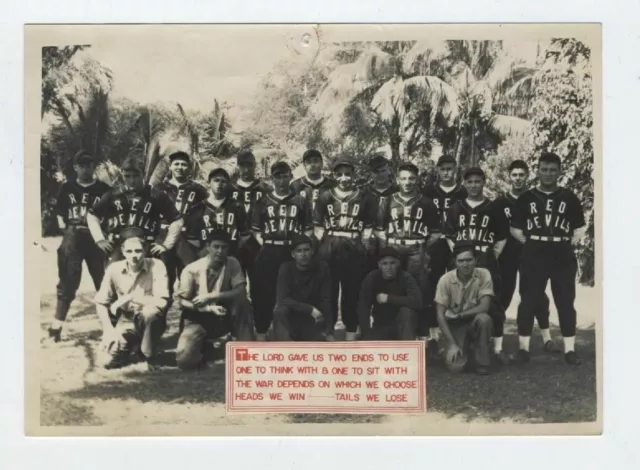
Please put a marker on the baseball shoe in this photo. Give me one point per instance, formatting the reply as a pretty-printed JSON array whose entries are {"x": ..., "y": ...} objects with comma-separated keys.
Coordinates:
[
  {"x": 351, "y": 336},
  {"x": 572, "y": 358},
  {"x": 480, "y": 370},
  {"x": 551, "y": 347},
  {"x": 55, "y": 334},
  {"x": 523, "y": 356},
  {"x": 261, "y": 336},
  {"x": 433, "y": 350},
  {"x": 330, "y": 337},
  {"x": 502, "y": 358}
]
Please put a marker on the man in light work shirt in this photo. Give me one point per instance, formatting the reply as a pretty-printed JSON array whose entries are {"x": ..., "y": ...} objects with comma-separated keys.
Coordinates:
[
  {"x": 303, "y": 295},
  {"x": 462, "y": 299},
  {"x": 132, "y": 303},
  {"x": 213, "y": 299},
  {"x": 392, "y": 297}
]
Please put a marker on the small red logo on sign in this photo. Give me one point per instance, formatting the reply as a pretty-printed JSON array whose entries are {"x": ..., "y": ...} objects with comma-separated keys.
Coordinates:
[{"x": 242, "y": 354}]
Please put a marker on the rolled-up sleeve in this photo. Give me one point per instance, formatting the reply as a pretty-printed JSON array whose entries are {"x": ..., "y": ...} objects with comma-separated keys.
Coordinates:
[
  {"x": 186, "y": 286},
  {"x": 486, "y": 284},
  {"x": 442, "y": 293},
  {"x": 160, "y": 280},
  {"x": 107, "y": 293},
  {"x": 235, "y": 272}
]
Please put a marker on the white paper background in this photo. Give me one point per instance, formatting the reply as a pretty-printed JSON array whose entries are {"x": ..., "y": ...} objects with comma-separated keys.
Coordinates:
[{"x": 617, "y": 449}]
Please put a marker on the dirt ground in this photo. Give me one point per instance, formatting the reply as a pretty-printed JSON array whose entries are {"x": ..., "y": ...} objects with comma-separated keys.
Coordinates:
[{"x": 76, "y": 393}]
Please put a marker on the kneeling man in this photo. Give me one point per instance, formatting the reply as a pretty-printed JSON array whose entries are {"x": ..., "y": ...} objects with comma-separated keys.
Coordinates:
[
  {"x": 303, "y": 296},
  {"x": 213, "y": 299},
  {"x": 392, "y": 298},
  {"x": 463, "y": 298},
  {"x": 132, "y": 304}
]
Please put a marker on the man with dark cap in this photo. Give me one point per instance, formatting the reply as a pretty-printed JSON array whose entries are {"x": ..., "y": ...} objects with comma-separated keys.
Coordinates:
[
  {"x": 212, "y": 297},
  {"x": 276, "y": 219},
  {"x": 410, "y": 222},
  {"x": 135, "y": 204},
  {"x": 482, "y": 223},
  {"x": 132, "y": 304},
  {"x": 443, "y": 193},
  {"x": 344, "y": 218},
  {"x": 248, "y": 190},
  {"x": 303, "y": 295},
  {"x": 72, "y": 203},
  {"x": 313, "y": 183},
  {"x": 220, "y": 212},
  {"x": 185, "y": 195},
  {"x": 462, "y": 300},
  {"x": 392, "y": 298}
]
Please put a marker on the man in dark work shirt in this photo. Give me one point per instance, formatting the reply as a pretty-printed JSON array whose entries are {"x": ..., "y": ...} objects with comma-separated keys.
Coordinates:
[
  {"x": 303, "y": 295},
  {"x": 392, "y": 297}
]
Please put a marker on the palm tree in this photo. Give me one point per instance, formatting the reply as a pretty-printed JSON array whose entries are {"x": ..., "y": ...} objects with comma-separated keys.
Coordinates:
[{"x": 428, "y": 91}]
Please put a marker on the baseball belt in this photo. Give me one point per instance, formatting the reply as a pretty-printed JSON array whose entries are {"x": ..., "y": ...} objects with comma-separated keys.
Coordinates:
[
  {"x": 116, "y": 237},
  {"x": 277, "y": 242},
  {"x": 549, "y": 239},
  {"x": 166, "y": 226},
  {"x": 482, "y": 248},
  {"x": 338, "y": 233},
  {"x": 399, "y": 241}
]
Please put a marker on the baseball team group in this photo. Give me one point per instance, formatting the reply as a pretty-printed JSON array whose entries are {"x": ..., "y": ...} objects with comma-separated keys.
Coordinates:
[{"x": 393, "y": 259}]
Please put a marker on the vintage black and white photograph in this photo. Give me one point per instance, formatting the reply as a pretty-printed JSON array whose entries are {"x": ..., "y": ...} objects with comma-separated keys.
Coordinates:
[{"x": 204, "y": 185}]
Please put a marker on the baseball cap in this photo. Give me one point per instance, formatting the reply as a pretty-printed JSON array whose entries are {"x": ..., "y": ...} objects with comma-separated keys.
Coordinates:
[
  {"x": 280, "y": 167},
  {"x": 245, "y": 157},
  {"x": 219, "y": 235},
  {"x": 82, "y": 155},
  {"x": 408, "y": 166},
  {"x": 132, "y": 164},
  {"x": 218, "y": 171},
  {"x": 446, "y": 159},
  {"x": 377, "y": 161},
  {"x": 388, "y": 251},
  {"x": 300, "y": 239},
  {"x": 310, "y": 154},
  {"x": 474, "y": 170},
  {"x": 180, "y": 155},
  {"x": 131, "y": 232},
  {"x": 344, "y": 161}
]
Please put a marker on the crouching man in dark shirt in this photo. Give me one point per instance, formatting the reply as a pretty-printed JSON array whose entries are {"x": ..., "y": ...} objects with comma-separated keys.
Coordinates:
[
  {"x": 392, "y": 297},
  {"x": 303, "y": 296},
  {"x": 212, "y": 296}
]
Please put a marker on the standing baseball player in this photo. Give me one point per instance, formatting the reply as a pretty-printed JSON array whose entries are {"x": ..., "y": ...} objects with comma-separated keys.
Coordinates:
[
  {"x": 134, "y": 204},
  {"x": 313, "y": 183},
  {"x": 482, "y": 224},
  {"x": 443, "y": 194},
  {"x": 509, "y": 261},
  {"x": 548, "y": 220},
  {"x": 276, "y": 219},
  {"x": 185, "y": 194},
  {"x": 220, "y": 212},
  {"x": 73, "y": 201},
  {"x": 344, "y": 217},
  {"x": 410, "y": 222},
  {"x": 382, "y": 186}
]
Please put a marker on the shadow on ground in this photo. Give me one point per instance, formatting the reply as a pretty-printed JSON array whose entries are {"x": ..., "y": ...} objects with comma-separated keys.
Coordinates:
[{"x": 547, "y": 390}]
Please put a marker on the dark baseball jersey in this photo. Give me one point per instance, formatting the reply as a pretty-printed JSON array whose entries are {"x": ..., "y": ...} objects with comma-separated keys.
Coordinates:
[
  {"x": 310, "y": 190},
  {"x": 507, "y": 203},
  {"x": 249, "y": 195},
  {"x": 353, "y": 213},
  {"x": 144, "y": 208},
  {"x": 410, "y": 219},
  {"x": 380, "y": 194},
  {"x": 280, "y": 219},
  {"x": 484, "y": 224},
  {"x": 185, "y": 196},
  {"x": 74, "y": 200},
  {"x": 442, "y": 199},
  {"x": 205, "y": 218},
  {"x": 548, "y": 215}
]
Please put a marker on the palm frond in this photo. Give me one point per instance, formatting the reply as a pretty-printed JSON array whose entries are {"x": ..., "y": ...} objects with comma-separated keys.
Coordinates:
[
  {"x": 509, "y": 126},
  {"x": 482, "y": 101},
  {"x": 423, "y": 53},
  {"x": 439, "y": 95}
]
